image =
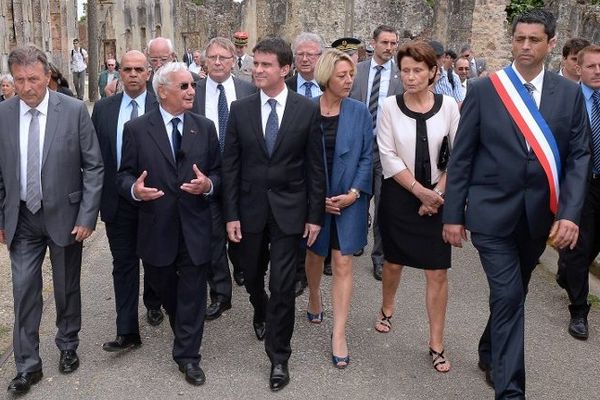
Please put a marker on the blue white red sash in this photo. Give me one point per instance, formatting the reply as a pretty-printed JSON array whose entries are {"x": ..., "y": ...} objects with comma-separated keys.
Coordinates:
[{"x": 522, "y": 109}]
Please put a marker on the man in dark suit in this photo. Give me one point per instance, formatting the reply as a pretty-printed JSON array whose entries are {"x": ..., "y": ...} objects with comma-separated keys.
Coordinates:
[
  {"x": 274, "y": 193},
  {"x": 376, "y": 79},
  {"x": 213, "y": 99},
  {"x": 171, "y": 164},
  {"x": 307, "y": 49},
  {"x": 160, "y": 51},
  {"x": 476, "y": 65},
  {"x": 118, "y": 213},
  {"x": 498, "y": 189},
  {"x": 50, "y": 188}
]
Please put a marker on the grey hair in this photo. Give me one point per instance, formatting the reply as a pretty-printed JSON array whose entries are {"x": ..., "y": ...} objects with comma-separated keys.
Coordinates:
[
  {"x": 159, "y": 39},
  {"x": 221, "y": 42},
  {"x": 7, "y": 77},
  {"x": 28, "y": 55},
  {"x": 161, "y": 76},
  {"x": 307, "y": 37}
]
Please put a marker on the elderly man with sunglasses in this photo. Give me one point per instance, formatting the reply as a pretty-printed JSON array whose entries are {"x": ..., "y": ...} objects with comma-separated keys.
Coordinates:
[{"x": 170, "y": 166}]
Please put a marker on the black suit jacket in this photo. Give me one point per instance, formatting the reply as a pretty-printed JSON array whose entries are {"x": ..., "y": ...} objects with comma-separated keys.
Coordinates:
[
  {"x": 290, "y": 183},
  {"x": 161, "y": 222},
  {"x": 292, "y": 83},
  {"x": 105, "y": 117},
  {"x": 492, "y": 173},
  {"x": 242, "y": 89}
]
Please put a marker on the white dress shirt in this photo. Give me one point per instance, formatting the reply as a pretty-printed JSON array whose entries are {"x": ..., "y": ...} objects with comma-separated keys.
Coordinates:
[
  {"x": 211, "y": 105},
  {"x": 24, "y": 122},
  {"x": 265, "y": 108}
]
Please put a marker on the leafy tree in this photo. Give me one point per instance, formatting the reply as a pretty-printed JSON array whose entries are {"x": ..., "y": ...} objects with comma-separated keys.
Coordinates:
[{"x": 516, "y": 7}]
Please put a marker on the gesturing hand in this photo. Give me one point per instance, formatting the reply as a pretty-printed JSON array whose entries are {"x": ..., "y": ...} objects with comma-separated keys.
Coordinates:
[
  {"x": 201, "y": 184},
  {"x": 145, "y": 193}
]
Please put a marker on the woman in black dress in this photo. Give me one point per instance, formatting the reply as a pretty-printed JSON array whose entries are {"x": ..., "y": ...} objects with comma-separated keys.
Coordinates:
[{"x": 416, "y": 130}]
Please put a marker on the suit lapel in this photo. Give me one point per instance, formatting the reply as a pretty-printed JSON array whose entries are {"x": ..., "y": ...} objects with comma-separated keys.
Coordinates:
[
  {"x": 548, "y": 99},
  {"x": 54, "y": 114},
  {"x": 113, "y": 110},
  {"x": 289, "y": 114},
  {"x": 201, "y": 98},
  {"x": 158, "y": 132},
  {"x": 190, "y": 136},
  {"x": 14, "y": 144},
  {"x": 151, "y": 102},
  {"x": 255, "y": 115}
]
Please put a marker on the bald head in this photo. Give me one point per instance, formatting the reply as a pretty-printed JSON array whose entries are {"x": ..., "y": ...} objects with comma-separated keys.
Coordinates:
[
  {"x": 462, "y": 68},
  {"x": 134, "y": 73},
  {"x": 160, "y": 52}
]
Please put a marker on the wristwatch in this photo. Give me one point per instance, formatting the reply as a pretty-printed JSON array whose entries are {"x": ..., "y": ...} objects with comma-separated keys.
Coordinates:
[
  {"x": 438, "y": 191},
  {"x": 356, "y": 193}
]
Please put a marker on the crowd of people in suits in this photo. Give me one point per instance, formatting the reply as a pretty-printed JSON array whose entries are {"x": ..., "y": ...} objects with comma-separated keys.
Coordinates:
[{"x": 269, "y": 161}]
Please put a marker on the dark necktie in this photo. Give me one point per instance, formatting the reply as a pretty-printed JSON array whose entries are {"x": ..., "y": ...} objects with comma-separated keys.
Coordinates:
[
  {"x": 307, "y": 91},
  {"x": 223, "y": 115},
  {"x": 176, "y": 137},
  {"x": 530, "y": 89},
  {"x": 240, "y": 62},
  {"x": 134, "y": 110},
  {"x": 272, "y": 127},
  {"x": 33, "y": 196},
  {"x": 595, "y": 123},
  {"x": 374, "y": 97}
]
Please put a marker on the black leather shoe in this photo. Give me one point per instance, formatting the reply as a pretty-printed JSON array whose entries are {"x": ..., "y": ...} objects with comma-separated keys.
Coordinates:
[
  {"x": 378, "y": 271},
  {"x": 327, "y": 269},
  {"x": 279, "y": 378},
  {"x": 487, "y": 368},
  {"x": 217, "y": 308},
  {"x": 154, "y": 317},
  {"x": 193, "y": 374},
  {"x": 578, "y": 328},
  {"x": 259, "y": 330},
  {"x": 299, "y": 288},
  {"x": 69, "y": 362},
  {"x": 238, "y": 277},
  {"x": 23, "y": 381},
  {"x": 122, "y": 342}
]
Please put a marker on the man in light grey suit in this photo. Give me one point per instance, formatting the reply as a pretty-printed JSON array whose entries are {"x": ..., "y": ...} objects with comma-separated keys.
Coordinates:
[
  {"x": 50, "y": 187},
  {"x": 375, "y": 80},
  {"x": 213, "y": 98}
]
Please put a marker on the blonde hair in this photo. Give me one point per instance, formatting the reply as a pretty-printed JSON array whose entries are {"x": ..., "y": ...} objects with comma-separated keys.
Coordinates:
[{"x": 326, "y": 65}]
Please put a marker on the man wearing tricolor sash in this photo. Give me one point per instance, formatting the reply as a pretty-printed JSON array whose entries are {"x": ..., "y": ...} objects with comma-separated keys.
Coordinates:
[{"x": 516, "y": 178}]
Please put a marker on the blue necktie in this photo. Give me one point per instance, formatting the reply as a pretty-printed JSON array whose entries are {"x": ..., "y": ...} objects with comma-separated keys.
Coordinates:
[
  {"x": 176, "y": 137},
  {"x": 374, "y": 97},
  {"x": 134, "y": 110},
  {"x": 272, "y": 127},
  {"x": 307, "y": 91},
  {"x": 223, "y": 115},
  {"x": 595, "y": 123}
]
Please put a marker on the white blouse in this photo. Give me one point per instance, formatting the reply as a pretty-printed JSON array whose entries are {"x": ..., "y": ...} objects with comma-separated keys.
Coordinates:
[{"x": 396, "y": 136}]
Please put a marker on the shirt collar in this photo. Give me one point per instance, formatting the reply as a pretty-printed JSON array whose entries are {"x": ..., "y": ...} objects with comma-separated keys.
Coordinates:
[
  {"x": 141, "y": 99},
  {"x": 386, "y": 65},
  {"x": 212, "y": 84},
  {"x": 167, "y": 117},
  {"x": 538, "y": 81},
  {"x": 301, "y": 81},
  {"x": 42, "y": 107},
  {"x": 587, "y": 92},
  {"x": 281, "y": 97}
]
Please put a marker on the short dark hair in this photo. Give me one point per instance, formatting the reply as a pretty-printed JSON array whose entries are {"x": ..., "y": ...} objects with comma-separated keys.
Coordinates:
[
  {"x": 277, "y": 46},
  {"x": 419, "y": 51},
  {"x": 451, "y": 54},
  {"x": 383, "y": 28},
  {"x": 27, "y": 55},
  {"x": 537, "y": 16},
  {"x": 574, "y": 46}
]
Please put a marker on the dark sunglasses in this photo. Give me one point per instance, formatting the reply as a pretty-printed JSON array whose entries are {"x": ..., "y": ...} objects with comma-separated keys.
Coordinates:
[
  {"x": 139, "y": 70},
  {"x": 186, "y": 85}
]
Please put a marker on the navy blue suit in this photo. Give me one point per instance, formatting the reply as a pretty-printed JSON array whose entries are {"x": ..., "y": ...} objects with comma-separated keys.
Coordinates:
[{"x": 496, "y": 188}]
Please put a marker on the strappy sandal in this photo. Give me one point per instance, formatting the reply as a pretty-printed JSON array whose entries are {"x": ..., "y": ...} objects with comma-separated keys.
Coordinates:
[
  {"x": 384, "y": 321},
  {"x": 438, "y": 359}
]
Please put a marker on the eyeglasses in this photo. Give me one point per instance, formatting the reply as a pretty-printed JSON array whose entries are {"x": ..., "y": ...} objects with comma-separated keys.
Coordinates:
[
  {"x": 307, "y": 55},
  {"x": 139, "y": 70},
  {"x": 186, "y": 85},
  {"x": 219, "y": 58}
]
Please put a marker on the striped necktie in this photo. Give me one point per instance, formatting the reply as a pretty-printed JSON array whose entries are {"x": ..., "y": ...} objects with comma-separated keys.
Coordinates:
[
  {"x": 374, "y": 97},
  {"x": 595, "y": 123},
  {"x": 33, "y": 196}
]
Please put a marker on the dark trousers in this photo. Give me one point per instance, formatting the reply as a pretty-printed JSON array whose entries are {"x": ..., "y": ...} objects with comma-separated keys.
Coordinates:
[
  {"x": 27, "y": 252},
  {"x": 279, "y": 310},
  {"x": 573, "y": 265},
  {"x": 508, "y": 263},
  {"x": 181, "y": 288},
  {"x": 219, "y": 277},
  {"x": 377, "y": 250}
]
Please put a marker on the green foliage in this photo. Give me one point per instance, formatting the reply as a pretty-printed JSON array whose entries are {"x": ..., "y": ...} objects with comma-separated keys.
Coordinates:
[
  {"x": 432, "y": 3},
  {"x": 198, "y": 2},
  {"x": 516, "y": 7}
]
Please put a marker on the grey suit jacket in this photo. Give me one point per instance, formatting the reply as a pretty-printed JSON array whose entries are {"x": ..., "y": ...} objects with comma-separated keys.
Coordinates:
[
  {"x": 361, "y": 82},
  {"x": 72, "y": 168},
  {"x": 242, "y": 89}
]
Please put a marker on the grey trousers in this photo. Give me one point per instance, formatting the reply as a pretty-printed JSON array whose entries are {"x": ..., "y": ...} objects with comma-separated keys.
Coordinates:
[
  {"x": 27, "y": 252},
  {"x": 79, "y": 83}
]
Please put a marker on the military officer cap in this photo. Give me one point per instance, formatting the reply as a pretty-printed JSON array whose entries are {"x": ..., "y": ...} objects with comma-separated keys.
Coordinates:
[{"x": 346, "y": 44}]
